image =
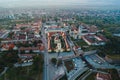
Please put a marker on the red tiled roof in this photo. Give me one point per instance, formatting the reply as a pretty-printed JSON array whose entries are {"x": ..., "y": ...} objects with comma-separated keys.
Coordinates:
[
  {"x": 22, "y": 37},
  {"x": 102, "y": 37},
  {"x": 103, "y": 76},
  {"x": 8, "y": 46},
  {"x": 88, "y": 39},
  {"x": 22, "y": 25},
  {"x": 11, "y": 46},
  {"x": 42, "y": 48},
  {"x": 93, "y": 28},
  {"x": 51, "y": 33},
  {"x": 74, "y": 29},
  {"x": 76, "y": 47},
  {"x": 32, "y": 48},
  {"x": 55, "y": 26}
]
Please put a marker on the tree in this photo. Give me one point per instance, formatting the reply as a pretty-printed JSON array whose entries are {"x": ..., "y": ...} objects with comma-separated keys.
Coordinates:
[
  {"x": 10, "y": 34},
  {"x": 54, "y": 61},
  {"x": 59, "y": 62},
  {"x": 22, "y": 28},
  {"x": 8, "y": 59},
  {"x": 2, "y": 64},
  {"x": 38, "y": 63}
]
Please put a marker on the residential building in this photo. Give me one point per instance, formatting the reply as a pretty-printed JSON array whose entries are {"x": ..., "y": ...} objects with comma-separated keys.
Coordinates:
[{"x": 101, "y": 76}]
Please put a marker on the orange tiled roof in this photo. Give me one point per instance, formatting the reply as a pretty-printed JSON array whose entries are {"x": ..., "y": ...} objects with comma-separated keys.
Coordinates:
[
  {"x": 8, "y": 46},
  {"x": 42, "y": 48}
]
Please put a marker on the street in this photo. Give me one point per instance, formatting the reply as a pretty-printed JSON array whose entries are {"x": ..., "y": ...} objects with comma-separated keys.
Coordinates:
[{"x": 46, "y": 63}]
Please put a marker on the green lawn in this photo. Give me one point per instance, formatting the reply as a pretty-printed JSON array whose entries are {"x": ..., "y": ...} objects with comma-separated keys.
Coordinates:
[{"x": 81, "y": 43}]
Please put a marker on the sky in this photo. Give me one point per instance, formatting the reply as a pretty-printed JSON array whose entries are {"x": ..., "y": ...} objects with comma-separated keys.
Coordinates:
[{"x": 25, "y": 3}]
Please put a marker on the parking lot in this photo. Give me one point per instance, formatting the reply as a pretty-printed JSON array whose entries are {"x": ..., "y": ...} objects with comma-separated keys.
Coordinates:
[
  {"x": 98, "y": 62},
  {"x": 97, "y": 59}
]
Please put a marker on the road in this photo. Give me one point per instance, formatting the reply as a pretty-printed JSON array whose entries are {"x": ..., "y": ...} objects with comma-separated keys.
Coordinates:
[
  {"x": 69, "y": 40},
  {"x": 46, "y": 63},
  {"x": 90, "y": 52}
]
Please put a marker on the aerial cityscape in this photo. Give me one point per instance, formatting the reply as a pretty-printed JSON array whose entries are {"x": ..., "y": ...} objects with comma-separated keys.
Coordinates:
[{"x": 59, "y": 40}]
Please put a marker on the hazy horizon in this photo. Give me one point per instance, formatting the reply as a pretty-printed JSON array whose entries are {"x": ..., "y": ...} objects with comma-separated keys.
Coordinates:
[{"x": 34, "y": 3}]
